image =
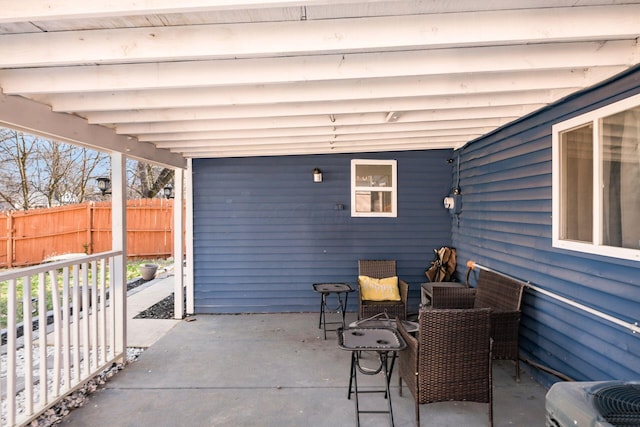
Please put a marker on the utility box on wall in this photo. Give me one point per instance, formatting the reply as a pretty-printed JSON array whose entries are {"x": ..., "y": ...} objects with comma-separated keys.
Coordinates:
[{"x": 453, "y": 203}]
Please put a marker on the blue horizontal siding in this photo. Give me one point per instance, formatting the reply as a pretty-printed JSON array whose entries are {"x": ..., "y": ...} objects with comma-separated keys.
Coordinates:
[
  {"x": 264, "y": 232},
  {"x": 505, "y": 224}
]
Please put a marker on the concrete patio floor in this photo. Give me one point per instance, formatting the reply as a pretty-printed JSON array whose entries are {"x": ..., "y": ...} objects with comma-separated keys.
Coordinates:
[{"x": 275, "y": 370}]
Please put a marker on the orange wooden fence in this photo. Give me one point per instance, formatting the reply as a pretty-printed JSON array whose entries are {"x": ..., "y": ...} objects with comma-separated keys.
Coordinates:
[{"x": 29, "y": 237}]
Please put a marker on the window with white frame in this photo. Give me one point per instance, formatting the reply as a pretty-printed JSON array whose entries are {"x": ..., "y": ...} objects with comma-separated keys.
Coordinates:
[
  {"x": 596, "y": 181},
  {"x": 374, "y": 188}
]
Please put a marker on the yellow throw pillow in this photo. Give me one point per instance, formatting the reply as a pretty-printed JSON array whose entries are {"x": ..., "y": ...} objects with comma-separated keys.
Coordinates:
[{"x": 379, "y": 289}]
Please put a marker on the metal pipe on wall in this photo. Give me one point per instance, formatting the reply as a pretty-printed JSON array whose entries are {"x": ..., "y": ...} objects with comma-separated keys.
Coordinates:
[{"x": 633, "y": 327}]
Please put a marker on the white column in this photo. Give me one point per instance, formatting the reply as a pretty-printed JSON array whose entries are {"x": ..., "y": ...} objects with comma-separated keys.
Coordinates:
[
  {"x": 178, "y": 244},
  {"x": 119, "y": 243},
  {"x": 189, "y": 237}
]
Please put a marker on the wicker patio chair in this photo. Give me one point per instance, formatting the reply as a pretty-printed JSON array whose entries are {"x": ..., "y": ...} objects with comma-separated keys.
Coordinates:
[
  {"x": 450, "y": 360},
  {"x": 503, "y": 296},
  {"x": 381, "y": 269}
]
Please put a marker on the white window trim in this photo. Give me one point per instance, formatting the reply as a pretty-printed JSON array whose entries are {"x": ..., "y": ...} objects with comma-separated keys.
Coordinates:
[
  {"x": 594, "y": 117},
  {"x": 393, "y": 189}
]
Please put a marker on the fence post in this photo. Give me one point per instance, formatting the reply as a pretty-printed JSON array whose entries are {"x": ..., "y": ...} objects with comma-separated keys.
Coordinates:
[
  {"x": 10, "y": 239},
  {"x": 89, "y": 228}
]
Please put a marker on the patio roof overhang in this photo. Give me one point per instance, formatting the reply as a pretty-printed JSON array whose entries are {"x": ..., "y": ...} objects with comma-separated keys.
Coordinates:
[{"x": 166, "y": 81}]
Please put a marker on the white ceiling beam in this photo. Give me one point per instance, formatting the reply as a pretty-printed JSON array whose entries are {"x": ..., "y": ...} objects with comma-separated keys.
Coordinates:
[
  {"x": 299, "y": 152},
  {"x": 433, "y": 117},
  {"x": 342, "y": 90},
  {"x": 239, "y": 140},
  {"x": 192, "y": 74},
  {"x": 443, "y": 140},
  {"x": 35, "y": 10},
  {"x": 323, "y": 36},
  {"x": 24, "y": 115},
  {"x": 458, "y": 125},
  {"x": 430, "y": 142},
  {"x": 527, "y": 101},
  {"x": 326, "y": 148},
  {"x": 327, "y": 137}
]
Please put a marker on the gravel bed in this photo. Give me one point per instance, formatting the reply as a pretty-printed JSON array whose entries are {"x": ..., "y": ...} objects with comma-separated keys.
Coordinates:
[
  {"x": 160, "y": 310},
  {"x": 78, "y": 398},
  {"x": 54, "y": 415}
]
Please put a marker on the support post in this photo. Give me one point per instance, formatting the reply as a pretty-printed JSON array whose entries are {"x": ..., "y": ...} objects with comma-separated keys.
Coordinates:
[
  {"x": 178, "y": 245},
  {"x": 10, "y": 232},
  {"x": 89, "y": 228},
  {"x": 119, "y": 243},
  {"x": 189, "y": 237}
]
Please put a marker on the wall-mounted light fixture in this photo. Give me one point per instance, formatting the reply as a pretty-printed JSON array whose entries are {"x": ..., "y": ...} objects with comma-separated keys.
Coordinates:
[
  {"x": 168, "y": 192},
  {"x": 104, "y": 185},
  {"x": 317, "y": 175}
]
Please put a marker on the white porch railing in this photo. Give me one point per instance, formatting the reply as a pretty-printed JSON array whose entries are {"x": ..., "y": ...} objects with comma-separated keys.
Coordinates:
[{"x": 59, "y": 331}]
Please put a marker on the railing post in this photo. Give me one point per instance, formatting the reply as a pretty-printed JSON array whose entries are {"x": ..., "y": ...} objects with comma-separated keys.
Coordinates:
[{"x": 11, "y": 387}]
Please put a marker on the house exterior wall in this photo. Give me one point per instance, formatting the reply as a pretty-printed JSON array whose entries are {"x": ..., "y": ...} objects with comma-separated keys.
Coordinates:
[
  {"x": 264, "y": 232},
  {"x": 505, "y": 224}
]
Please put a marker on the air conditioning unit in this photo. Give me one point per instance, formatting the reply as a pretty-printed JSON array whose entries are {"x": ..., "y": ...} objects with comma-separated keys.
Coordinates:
[{"x": 593, "y": 404}]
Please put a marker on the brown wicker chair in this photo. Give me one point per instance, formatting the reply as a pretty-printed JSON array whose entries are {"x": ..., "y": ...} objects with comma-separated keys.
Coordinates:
[
  {"x": 500, "y": 293},
  {"x": 380, "y": 270},
  {"x": 451, "y": 359}
]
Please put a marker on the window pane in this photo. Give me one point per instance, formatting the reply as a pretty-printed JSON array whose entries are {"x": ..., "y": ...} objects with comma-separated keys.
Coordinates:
[
  {"x": 373, "y": 201},
  {"x": 576, "y": 184},
  {"x": 621, "y": 177},
  {"x": 374, "y": 176}
]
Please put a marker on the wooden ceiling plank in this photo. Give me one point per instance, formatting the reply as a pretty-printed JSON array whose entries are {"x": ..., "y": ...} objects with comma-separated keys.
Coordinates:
[
  {"x": 198, "y": 74},
  {"x": 533, "y": 99},
  {"x": 298, "y": 139},
  {"x": 422, "y": 144},
  {"x": 486, "y": 83},
  {"x": 33, "y": 10},
  {"x": 432, "y": 118},
  {"x": 502, "y": 27},
  {"x": 456, "y": 126}
]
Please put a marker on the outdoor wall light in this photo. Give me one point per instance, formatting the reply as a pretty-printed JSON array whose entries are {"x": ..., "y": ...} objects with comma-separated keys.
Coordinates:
[
  {"x": 168, "y": 192},
  {"x": 317, "y": 175},
  {"x": 104, "y": 185}
]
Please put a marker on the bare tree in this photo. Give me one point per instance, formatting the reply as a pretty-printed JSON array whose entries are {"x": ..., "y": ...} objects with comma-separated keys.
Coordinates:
[
  {"x": 67, "y": 171},
  {"x": 38, "y": 172},
  {"x": 16, "y": 151},
  {"x": 146, "y": 180}
]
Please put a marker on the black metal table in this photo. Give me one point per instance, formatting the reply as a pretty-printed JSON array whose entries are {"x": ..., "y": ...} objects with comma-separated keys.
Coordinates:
[
  {"x": 381, "y": 340},
  {"x": 382, "y": 320},
  {"x": 325, "y": 289}
]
